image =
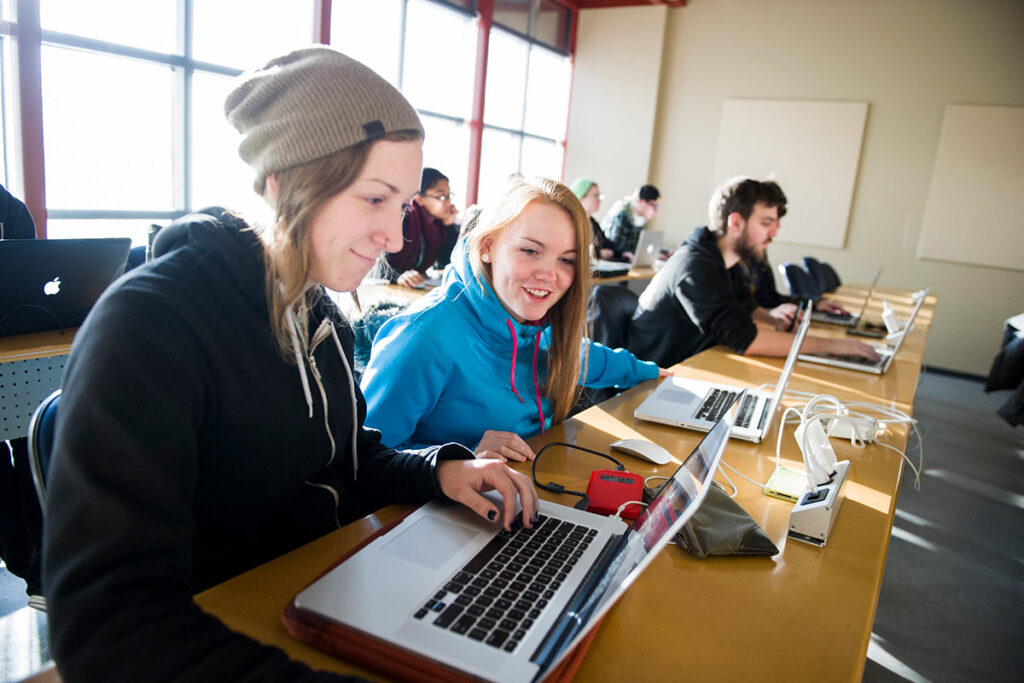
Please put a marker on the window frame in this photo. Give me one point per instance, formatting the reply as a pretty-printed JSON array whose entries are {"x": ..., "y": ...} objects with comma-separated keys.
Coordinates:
[{"x": 25, "y": 153}]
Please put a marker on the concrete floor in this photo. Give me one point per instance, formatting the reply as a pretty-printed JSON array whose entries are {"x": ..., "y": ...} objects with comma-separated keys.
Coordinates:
[{"x": 950, "y": 606}]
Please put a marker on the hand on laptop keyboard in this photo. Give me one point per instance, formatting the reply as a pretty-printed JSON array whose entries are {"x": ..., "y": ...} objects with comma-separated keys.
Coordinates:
[
  {"x": 851, "y": 347},
  {"x": 464, "y": 480}
]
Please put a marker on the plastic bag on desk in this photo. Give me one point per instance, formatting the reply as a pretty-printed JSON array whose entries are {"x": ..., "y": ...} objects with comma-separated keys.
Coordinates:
[{"x": 721, "y": 527}]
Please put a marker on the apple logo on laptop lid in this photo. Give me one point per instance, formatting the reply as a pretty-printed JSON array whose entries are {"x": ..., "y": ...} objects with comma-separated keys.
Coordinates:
[{"x": 52, "y": 287}]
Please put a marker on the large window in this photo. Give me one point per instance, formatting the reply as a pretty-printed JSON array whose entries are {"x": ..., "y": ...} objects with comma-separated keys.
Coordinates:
[
  {"x": 131, "y": 129},
  {"x": 526, "y": 110},
  {"x": 427, "y": 49}
]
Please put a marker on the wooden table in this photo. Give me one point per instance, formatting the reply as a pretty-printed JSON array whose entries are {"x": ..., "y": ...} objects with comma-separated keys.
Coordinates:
[
  {"x": 805, "y": 614},
  {"x": 31, "y": 367}
]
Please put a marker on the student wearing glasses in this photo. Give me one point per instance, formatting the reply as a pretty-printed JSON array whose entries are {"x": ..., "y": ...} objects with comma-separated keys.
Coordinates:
[
  {"x": 498, "y": 353},
  {"x": 210, "y": 420},
  {"x": 428, "y": 231},
  {"x": 627, "y": 217}
]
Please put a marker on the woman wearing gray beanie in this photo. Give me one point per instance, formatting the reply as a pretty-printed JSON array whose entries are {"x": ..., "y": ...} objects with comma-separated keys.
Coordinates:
[{"x": 210, "y": 421}]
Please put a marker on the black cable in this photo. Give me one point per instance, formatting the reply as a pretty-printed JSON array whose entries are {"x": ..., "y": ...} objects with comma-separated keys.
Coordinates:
[{"x": 558, "y": 488}]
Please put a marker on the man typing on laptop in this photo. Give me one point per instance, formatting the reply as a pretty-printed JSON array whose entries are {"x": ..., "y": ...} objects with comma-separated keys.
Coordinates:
[{"x": 695, "y": 301}]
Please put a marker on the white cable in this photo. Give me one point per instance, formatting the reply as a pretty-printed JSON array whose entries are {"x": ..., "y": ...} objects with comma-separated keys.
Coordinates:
[
  {"x": 736, "y": 471},
  {"x": 618, "y": 513}
]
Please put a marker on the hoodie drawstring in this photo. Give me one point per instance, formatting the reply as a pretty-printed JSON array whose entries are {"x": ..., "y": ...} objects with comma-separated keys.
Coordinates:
[
  {"x": 536, "y": 381},
  {"x": 290, "y": 317},
  {"x": 515, "y": 350},
  {"x": 292, "y": 328},
  {"x": 352, "y": 395}
]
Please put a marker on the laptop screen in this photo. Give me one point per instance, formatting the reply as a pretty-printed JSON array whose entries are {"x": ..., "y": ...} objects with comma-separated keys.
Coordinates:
[{"x": 674, "y": 504}]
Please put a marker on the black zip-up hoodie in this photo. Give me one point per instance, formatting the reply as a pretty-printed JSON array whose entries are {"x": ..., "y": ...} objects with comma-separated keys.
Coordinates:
[
  {"x": 189, "y": 450},
  {"x": 692, "y": 303}
]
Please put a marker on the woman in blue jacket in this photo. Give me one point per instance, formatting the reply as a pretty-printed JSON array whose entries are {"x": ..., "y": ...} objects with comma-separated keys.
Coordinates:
[{"x": 498, "y": 353}]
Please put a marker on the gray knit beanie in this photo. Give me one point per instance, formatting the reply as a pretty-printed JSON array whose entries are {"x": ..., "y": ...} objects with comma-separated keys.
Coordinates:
[{"x": 311, "y": 103}]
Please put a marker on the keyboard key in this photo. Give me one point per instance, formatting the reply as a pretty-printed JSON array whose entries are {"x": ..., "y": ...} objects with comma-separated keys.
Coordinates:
[
  {"x": 422, "y": 612},
  {"x": 510, "y": 646},
  {"x": 448, "y": 616},
  {"x": 478, "y": 634},
  {"x": 481, "y": 559},
  {"x": 497, "y": 638}
]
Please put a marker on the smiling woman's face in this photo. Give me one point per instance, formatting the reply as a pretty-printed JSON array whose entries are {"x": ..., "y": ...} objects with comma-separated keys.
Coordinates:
[
  {"x": 353, "y": 227},
  {"x": 533, "y": 260}
]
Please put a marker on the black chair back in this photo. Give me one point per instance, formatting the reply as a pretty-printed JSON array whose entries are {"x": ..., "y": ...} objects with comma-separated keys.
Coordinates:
[
  {"x": 41, "y": 431},
  {"x": 609, "y": 311},
  {"x": 798, "y": 281},
  {"x": 816, "y": 272},
  {"x": 831, "y": 277}
]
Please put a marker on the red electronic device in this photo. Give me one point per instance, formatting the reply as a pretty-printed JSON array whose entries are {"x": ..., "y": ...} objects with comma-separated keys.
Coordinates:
[{"x": 608, "y": 489}]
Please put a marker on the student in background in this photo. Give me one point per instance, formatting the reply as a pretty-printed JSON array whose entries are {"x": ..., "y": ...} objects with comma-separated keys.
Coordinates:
[
  {"x": 15, "y": 221},
  {"x": 627, "y": 217},
  {"x": 590, "y": 196},
  {"x": 498, "y": 353},
  {"x": 209, "y": 420},
  {"x": 428, "y": 230},
  {"x": 698, "y": 299}
]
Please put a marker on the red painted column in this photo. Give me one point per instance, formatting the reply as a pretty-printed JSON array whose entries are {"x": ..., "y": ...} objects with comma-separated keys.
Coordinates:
[
  {"x": 476, "y": 121},
  {"x": 30, "y": 102}
]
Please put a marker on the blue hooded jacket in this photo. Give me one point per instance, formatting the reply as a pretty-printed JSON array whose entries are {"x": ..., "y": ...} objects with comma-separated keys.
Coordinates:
[{"x": 456, "y": 364}]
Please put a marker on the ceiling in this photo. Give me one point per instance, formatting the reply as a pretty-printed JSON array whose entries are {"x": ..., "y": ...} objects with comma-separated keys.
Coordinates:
[{"x": 597, "y": 4}]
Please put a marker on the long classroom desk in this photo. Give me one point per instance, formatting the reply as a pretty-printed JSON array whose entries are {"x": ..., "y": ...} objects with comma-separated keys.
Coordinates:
[
  {"x": 805, "y": 614},
  {"x": 31, "y": 367}
]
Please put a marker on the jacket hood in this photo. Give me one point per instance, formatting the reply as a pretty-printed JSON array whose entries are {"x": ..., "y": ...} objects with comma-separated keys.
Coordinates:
[
  {"x": 704, "y": 241},
  {"x": 222, "y": 232}
]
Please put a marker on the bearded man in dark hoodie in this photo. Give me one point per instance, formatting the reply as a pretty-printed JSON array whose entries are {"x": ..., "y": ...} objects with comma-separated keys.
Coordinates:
[{"x": 698, "y": 299}]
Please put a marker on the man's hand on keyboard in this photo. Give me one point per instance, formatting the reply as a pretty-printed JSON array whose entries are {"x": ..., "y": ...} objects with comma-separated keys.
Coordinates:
[
  {"x": 826, "y": 306},
  {"x": 851, "y": 347}
]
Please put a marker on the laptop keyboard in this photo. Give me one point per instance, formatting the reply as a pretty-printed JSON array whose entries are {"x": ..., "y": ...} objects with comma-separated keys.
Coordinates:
[
  {"x": 716, "y": 403},
  {"x": 746, "y": 412},
  {"x": 852, "y": 358},
  {"x": 499, "y": 594}
]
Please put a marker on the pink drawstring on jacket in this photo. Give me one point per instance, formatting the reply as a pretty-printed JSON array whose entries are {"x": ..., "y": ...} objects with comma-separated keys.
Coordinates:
[{"x": 536, "y": 383}]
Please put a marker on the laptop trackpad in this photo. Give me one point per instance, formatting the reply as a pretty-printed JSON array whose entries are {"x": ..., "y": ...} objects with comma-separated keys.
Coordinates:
[
  {"x": 430, "y": 541},
  {"x": 681, "y": 397}
]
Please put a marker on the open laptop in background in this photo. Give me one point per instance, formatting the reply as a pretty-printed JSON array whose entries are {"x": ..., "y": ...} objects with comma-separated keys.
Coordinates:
[
  {"x": 849, "y": 320},
  {"x": 445, "y": 594},
  {"x": 648, "y": 247},
  {"x": 885, "y": 352},
  {"x": 695, "y": 404},
  {"x": 51, "y": 284}
]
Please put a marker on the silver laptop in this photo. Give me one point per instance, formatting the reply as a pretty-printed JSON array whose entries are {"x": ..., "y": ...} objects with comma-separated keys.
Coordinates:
[
  {"x": 449, "y": 587},
  {"x": 52, "y": 284},
  {"x": 648, "y": 247},
  {"x": 848, "y": 320},
  {"x": 695, "y": 404},
  {"x": 885, "y": 352}
]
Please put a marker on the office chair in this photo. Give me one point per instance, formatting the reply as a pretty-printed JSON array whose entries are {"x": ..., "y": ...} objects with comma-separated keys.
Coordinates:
[
  {"x": 41, "y": 430},
  {"x": 831, "y": 276},
  {"x": 609, "y": 310},
  {"x": 40, "y": 443},
  {"x": 798, "y": 281},
  {"x": 817, "y": 273}
]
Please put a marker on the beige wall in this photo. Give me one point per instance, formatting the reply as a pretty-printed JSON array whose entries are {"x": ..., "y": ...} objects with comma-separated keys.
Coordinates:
[
  {"x": 615, "y": 98},
  {"x": 908, "y": 59}
]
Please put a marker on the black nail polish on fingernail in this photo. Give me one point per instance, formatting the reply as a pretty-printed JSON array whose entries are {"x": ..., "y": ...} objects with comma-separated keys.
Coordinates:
[{"x": 492, "y": 514}]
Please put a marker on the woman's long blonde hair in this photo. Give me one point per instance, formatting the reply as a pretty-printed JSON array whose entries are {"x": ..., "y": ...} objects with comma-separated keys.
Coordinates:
[
  {"x": 568, "y": 317},
  {"x": 301, "y": 192}
]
